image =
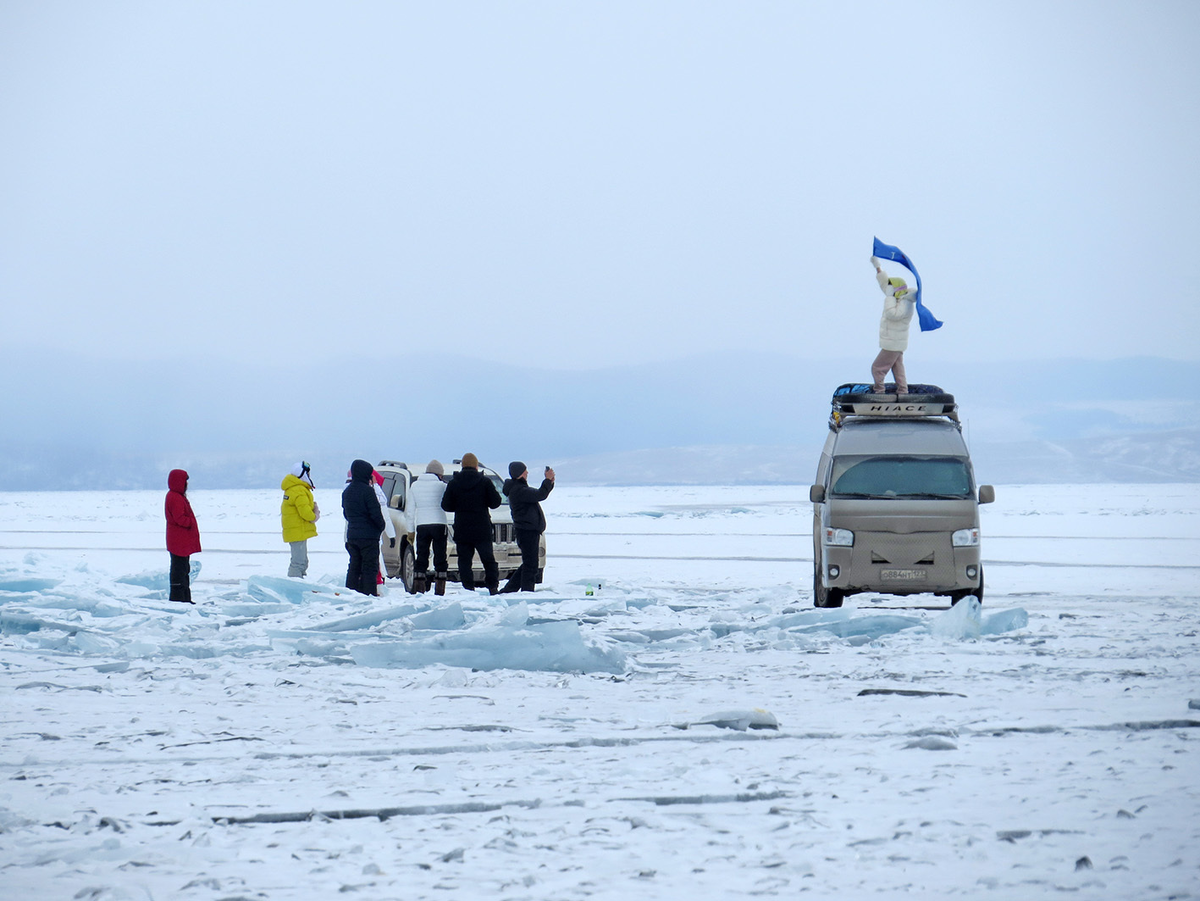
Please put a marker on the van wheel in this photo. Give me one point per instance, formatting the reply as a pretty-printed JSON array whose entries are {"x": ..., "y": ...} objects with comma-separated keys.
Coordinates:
[
  {"x": 822, "y": 596},
  {"x": 408, "y": 568},
  {"x": 957, "y": 596}
]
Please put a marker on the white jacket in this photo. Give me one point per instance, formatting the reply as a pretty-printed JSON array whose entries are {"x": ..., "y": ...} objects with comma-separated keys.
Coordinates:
[
  {"x": 897, "y": 314},
  {"x": 389, "y": 528},
  {"x": 426, "y": 493}
]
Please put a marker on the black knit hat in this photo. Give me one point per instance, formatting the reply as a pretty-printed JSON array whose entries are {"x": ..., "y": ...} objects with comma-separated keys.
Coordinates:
[{"x": 516, "y": 469}]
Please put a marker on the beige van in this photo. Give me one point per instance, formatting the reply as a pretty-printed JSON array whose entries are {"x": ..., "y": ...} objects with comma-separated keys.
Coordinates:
[{"x": 895, "y": 507}]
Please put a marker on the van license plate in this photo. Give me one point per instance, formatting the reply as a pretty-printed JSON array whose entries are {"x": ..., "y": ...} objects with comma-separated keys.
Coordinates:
[{"x": 902, "y": 575}]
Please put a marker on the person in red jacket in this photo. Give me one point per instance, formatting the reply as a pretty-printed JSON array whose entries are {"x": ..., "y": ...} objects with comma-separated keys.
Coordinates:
[{"x": 183, "y": 535}]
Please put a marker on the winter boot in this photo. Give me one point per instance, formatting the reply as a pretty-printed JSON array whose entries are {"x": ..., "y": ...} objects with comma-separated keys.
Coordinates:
[
  {"x": 439, "y": 586},
  {"x": 420, "y": 583}
]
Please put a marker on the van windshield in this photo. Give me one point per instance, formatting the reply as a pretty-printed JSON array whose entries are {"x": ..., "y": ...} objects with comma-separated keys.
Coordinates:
[{"x": 887, "y": 477}]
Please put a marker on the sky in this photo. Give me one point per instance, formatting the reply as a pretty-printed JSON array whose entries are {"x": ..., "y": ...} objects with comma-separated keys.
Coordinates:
[{"x": 585, "y": 185}]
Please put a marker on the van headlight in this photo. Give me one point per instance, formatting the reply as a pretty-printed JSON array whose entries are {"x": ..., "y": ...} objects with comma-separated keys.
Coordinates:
[
  {"x": 839, "y": 538},
  {"x": 965, "y": 538}
]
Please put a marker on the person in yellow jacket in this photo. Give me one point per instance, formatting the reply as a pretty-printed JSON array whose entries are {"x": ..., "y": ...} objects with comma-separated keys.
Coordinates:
[{"x": 299, "y": 513}]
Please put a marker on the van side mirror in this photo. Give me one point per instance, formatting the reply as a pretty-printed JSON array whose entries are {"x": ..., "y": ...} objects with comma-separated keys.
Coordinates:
[
  {"x": 987, "y": 494},
  {"x": 816, "y": 494},
  {"x": 394, "y": 503}
]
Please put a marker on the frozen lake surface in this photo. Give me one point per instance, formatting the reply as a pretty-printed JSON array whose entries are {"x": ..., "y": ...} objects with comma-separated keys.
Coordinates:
[{"x": 692, "y": 728}]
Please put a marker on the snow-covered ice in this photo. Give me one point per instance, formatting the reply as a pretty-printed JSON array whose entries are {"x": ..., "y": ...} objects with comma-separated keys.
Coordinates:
[{"x": 667, "y": 717}]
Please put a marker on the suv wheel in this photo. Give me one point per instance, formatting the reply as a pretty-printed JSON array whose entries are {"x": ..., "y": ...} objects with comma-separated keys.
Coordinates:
[{"x": 408, "y": 568}]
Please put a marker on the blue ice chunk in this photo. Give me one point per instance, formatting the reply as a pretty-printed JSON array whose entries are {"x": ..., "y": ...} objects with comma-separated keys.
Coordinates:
[
  {"x": 156, "y": 581},
  {"x": 810, "y": 617},
  {"x": 1004, "y": 621},
  {"x": 443, "y": 618},
  {"x": 862, "y": 629},
  {"x": 641, "y": 603},
  {"x": 933, "y": 742},
  {"x": 965, "y": 620},
  {"x": 252, "y": 609},
  {"x": 723, "y": 624},
  {"x": 547, "y": 647},
  {"x": 740, "y": 720},
  {"x": 136, "y": 650},
  {"x": 26, "y": 583},
  {"x": 14, "y": 623},
  {"x": 278, "y": 589},
  {"x": 648, "y": 636},
  {"x": 313, "y": 647},
  {"x": 960, "y": 622},
  {"x": 366, "y": 620},
  {"x": 94, "y": 605},
  {"x": 516, "y": 616},
  {"x": 89, "y": 643}
]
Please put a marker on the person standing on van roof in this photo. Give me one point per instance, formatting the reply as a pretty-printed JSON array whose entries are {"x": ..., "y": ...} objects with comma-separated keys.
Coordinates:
[
  {"x": 469, "y": 496},
  {"x": 898, "y": 307},
  {"x": 427, "y": 492},
  {"x": 183, "y": 535},
  {"x": 364, "y": 523},
  {"x": 529, "y": 522},
  {"x": 299, "y": 514}
]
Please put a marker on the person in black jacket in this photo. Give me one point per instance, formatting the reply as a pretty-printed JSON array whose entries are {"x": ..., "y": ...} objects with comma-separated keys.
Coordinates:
[
  {"x": 529, "y": 522},
  {"x": 469, "y": 496},
  {"x": 364, "y": 524}
]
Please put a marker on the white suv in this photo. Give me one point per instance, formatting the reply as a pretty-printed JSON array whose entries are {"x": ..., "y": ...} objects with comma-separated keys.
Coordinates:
[{"x": 400, "y": 560}]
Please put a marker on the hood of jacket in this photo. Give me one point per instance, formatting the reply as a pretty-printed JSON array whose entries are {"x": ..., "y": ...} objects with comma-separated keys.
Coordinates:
[
  {"x": 468, "y": 477},
  {"x": 290, "y": 481},
  {"x": 360, "y": 471},
  {"x": 177, "y": 480}
]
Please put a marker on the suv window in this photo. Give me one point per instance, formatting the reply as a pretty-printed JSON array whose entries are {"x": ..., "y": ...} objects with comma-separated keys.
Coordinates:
[
  {"x": 908, "y": 476},
  {"x": 393, "y": 486},
  {"x": 499, "y": 483}
]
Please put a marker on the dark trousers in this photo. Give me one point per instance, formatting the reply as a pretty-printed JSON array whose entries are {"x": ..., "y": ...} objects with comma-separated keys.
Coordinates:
[
  {"x": 363, "y": 573},
  {"x": 181, "y": 584},
  {"x": 431, "y": 536},
  {"x": 524, "y": 577},
  {"x": 469, "y": 545}
]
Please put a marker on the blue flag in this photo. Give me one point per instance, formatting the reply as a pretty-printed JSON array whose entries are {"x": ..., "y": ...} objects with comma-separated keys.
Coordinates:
[{"x": 888, "y": 252}]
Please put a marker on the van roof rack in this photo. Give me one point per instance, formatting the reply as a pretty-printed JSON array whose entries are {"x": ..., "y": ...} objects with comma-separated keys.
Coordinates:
[{"x": 855, "y": 399}]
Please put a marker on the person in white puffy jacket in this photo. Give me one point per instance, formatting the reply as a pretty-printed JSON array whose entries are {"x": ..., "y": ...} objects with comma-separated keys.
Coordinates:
[
  {"x": 898, "y": 307},
  {"x": 426, "y": 494}
]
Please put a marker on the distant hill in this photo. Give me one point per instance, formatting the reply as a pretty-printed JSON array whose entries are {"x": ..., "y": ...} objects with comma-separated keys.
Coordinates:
[
  {"x": 709, "y": 418},
  {"x": 1146, "y": 457}
]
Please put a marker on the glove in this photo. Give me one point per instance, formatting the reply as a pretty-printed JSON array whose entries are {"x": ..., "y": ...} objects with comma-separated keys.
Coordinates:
[{"x": 874, "y": 262}]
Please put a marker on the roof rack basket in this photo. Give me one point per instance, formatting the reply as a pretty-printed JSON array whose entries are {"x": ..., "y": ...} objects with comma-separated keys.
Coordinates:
[{"x": 921, "y": 402}]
